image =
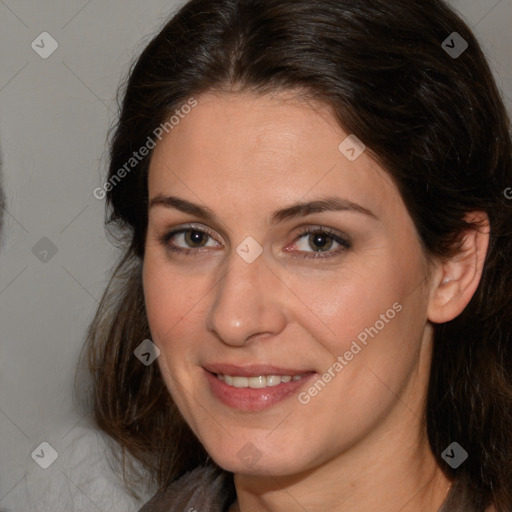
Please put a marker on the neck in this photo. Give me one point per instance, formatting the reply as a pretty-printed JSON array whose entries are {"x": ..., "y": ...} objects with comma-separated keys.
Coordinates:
[
  {"x": 379, "y": 484},
  {"x": 382, "y": 488}
]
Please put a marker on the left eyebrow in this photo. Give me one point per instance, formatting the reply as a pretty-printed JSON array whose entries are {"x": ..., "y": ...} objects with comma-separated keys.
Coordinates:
[{"x": 329, "y": 204}]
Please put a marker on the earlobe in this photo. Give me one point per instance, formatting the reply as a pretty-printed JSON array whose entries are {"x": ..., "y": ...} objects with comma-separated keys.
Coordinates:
[{"x": 458, "y": 277}]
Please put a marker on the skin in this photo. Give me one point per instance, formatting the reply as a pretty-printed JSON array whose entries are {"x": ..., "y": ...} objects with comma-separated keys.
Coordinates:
[{"x": 360, "y": 443}]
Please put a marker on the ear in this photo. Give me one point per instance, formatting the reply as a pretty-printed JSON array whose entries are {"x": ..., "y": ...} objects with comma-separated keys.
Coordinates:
[{"x": 456, "y": 279}]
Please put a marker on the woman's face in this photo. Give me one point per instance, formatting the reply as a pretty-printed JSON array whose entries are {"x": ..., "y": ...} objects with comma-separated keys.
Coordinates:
[{"x": 335, "y": 292}]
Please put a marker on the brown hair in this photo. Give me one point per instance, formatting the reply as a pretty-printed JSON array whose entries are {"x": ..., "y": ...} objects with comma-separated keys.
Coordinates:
[{"x": 435, "y": 122}]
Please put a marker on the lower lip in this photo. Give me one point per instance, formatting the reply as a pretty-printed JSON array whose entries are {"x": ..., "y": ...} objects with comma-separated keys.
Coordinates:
[{"x": 250, "y": 399}]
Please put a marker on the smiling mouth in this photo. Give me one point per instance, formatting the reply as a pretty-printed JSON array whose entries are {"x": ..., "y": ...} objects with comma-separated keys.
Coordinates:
[
  {"x": 256, "y": 382},
  {"x": 254, "y": 388}
]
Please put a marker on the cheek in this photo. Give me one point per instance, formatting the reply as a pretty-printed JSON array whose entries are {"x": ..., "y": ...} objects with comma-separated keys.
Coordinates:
[
  {"x": 173, "y": 307},
  {"x": 376, "y": 318},
  {"x": 170, "y": 300},
  {"x": 363, "y": 302}
]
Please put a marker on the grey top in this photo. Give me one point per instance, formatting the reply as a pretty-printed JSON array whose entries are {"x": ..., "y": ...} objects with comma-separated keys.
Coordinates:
[{"x": 205, "y": 489}]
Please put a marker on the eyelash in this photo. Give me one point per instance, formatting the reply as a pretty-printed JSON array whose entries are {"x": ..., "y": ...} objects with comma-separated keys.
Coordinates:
[{"x": 344, "y": 243}]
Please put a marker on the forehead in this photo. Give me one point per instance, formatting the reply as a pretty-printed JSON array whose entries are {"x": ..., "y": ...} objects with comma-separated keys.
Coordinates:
[
  {"x": 274, "y": 148},
  {"x": 253, "y": 129}
]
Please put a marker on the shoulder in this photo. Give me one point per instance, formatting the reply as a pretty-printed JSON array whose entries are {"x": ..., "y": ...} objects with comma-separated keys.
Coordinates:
[{"x": 205, "y": 489}]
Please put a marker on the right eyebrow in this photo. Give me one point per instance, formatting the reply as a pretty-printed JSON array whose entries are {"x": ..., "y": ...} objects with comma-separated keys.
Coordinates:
[{"x": 183, "y": 206}]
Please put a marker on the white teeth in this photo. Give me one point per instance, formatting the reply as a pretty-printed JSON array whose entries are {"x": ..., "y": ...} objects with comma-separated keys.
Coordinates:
[
  {"x": 258, "y": 382},
  {"x": 240, "y": 382},
  {"x": 273, "y": 380}
]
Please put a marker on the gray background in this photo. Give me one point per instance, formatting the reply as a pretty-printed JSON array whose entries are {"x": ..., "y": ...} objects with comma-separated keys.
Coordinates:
[{"x": 54, "y": 117}]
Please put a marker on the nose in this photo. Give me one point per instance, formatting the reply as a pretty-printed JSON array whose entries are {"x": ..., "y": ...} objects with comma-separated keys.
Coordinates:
[{"x": 246, "y": 306}]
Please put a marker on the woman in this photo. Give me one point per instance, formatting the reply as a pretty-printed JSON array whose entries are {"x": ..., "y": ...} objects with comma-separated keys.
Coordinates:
[{"x": 313, "y": 307}]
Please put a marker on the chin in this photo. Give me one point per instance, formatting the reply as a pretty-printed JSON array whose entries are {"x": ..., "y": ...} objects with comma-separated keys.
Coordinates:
[{"x": 249, "y": 460}]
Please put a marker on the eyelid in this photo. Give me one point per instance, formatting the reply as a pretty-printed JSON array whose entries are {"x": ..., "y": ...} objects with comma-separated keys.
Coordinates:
[
  {"x": 323, "y": 229},
  {"x": 198, "y": 227}
]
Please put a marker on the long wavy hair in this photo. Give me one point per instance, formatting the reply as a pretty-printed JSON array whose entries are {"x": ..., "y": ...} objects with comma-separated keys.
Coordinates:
[{"x": 434, "y": 120}]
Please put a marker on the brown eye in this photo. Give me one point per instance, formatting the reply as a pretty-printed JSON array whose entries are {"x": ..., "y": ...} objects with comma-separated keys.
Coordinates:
[
  {"x": 187, "y": 240},
  {"x": 195, "y": 238},
  {"x": 320, "y": 241}
]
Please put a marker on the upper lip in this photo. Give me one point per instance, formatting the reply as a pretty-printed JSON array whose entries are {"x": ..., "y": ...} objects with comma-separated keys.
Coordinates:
[{"x": 252, "y": 370}]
